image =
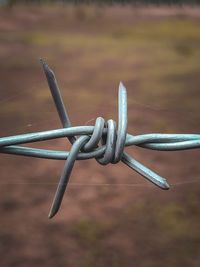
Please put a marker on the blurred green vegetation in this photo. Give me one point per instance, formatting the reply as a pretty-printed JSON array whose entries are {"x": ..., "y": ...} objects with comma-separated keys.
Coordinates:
[
  {"x": 163, "y": 57},
  {"x": 91, "y": 235},
  {"x": 174, "y": 231},
  {"x": 157, "y": 234},
  {"x": 135, "y": 2}
]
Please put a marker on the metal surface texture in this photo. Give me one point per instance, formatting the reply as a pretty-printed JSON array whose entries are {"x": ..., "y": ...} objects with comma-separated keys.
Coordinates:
[{"x": 85, "y": 142}]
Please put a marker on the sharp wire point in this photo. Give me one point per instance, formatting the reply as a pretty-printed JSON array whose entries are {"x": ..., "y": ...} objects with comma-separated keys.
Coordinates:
[
  {"x": 51, "y": 215},
  {"x": 113, "y": 142}
]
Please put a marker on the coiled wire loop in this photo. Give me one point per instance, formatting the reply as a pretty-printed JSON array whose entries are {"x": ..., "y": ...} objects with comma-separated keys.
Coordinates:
[{"x": 110, "y": 142}]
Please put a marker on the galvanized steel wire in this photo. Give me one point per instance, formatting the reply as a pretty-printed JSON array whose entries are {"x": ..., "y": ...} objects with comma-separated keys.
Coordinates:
[{"x": 85, "y": 142}]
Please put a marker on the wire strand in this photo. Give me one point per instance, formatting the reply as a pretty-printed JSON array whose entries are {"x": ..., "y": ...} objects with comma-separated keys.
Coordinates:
[{"x": 101, "y": 184}]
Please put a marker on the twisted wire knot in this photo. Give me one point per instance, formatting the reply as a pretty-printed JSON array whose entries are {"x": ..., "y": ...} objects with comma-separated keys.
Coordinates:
[
  {"x": 113, "y": 140},
  {"x": 86, "y": 146},
  {"x": 111, "y": 154}
]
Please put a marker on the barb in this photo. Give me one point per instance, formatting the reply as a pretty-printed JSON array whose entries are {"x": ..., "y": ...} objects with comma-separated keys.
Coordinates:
[{"x": 86, "y": 146}]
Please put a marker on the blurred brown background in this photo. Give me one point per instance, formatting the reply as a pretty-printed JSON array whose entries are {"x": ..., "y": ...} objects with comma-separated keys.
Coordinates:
[{"x": 155, "y": 52}]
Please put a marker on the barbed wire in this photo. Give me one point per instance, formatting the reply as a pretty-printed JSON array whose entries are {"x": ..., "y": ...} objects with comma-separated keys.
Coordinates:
[{"x": 86, "y": 145}]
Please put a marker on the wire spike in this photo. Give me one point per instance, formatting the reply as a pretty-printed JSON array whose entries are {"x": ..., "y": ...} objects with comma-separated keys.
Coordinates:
[
  {"x": 66, "y": 174},
  {"x": 56, "y": 95}
]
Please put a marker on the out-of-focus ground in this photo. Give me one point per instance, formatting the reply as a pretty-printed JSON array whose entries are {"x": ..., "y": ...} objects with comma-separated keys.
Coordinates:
[{"x": 156, "y": 53}]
